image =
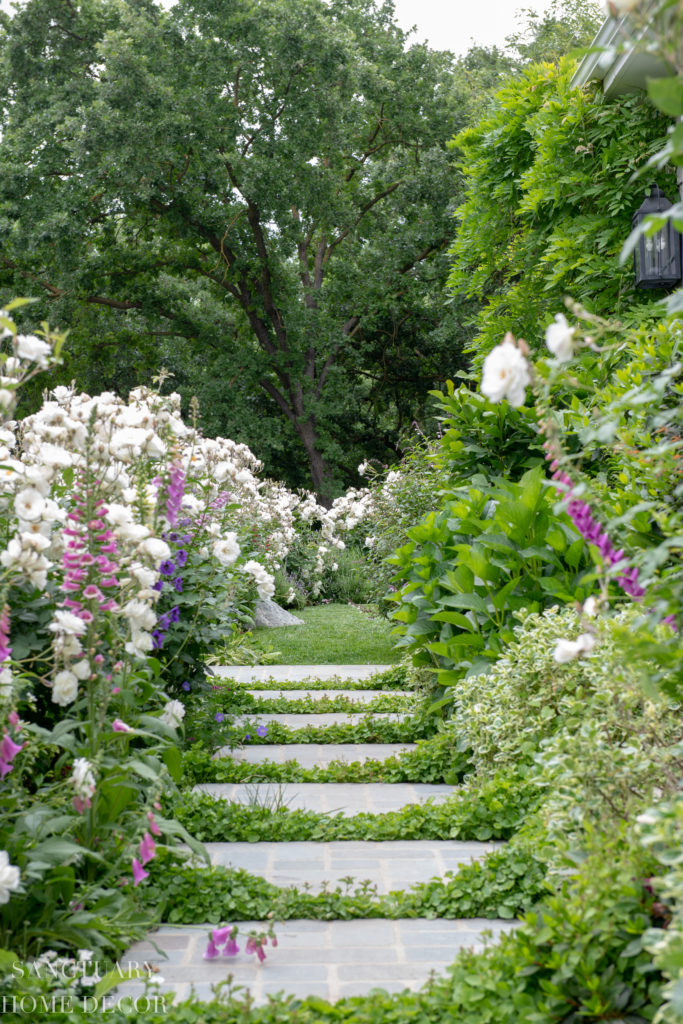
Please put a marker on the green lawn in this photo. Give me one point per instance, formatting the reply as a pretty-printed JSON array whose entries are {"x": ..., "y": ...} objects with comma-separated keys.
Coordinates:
[{"x": 332, "y": 634}]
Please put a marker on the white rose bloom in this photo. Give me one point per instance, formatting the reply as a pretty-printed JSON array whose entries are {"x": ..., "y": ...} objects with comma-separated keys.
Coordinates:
[
  {"x": 173, "y": 713},
  {"x": 128, "y": 442},
  {"x": 134, "y": 532},
  {"x": 7, "y": 396},
  {"x": 118, "y": 515},
  {"x": 590, "y": 607},
  {"x": 141, "y": 616},
  {"x": 140, "y": 643},
  {"x": 67, "y": 622},
  {"x": 82, "y": 778},
  {"x": 10, "y": 877},
  {"x": 30, "y": 347},
  {"x": 29, "y": 504},
  {"x": 226, "y": 550},
  {"x": 370, "y": 542},
  {"x": 559, "y": 337},
  {"x": 144, "y": 576},
  {"x": 505, "y": 374},
  {"x": 65, "y": 688},
  {"x": 156, "y": 548},
  {"x": 53, "y": 455},
  {"x": 81, "y": 669},
  {"x": 569, "y": 650}
]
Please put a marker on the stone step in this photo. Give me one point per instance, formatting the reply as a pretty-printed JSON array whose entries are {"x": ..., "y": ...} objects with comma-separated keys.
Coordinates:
[
  {"x": 347, "y": 798},
  {"x": 329, "y": 959},
  {"x": 300, "y": 721},
  {"x": 359, "y": 697},
  {"x": 387, "y": 866},
  {"x": 258, "y": 673},
  {"x": 314, "y": 755}
]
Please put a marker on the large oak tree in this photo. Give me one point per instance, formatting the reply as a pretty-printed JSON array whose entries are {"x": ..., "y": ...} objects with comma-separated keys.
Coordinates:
[{"x": 267, "y": 180}]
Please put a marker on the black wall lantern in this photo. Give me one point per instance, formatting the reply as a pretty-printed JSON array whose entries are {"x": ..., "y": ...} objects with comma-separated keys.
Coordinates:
[{"x": 657, "y": 258}]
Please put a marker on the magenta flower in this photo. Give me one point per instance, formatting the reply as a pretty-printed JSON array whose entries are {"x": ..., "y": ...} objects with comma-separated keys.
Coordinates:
[
  {"x": 5, "y": 649},
  {"x": 148, "y": 850},
  {"x": 251, "y": 945},
  {"x": 4, "y": 768},
  {"x": 81, "y": 803},
  {"x": 211, "y": 951},
  {"x": 153, "y": 825},
  {"x": 139, "y": 873},
  {"x": 221, "y": 935},
  {"x": 231, "y": 947},
  {"x": 119, "y": 726},
  {"x": 260, "y": 952},
  {"x": 13, "y": 719},
  {"x": 9, "y": 749}
]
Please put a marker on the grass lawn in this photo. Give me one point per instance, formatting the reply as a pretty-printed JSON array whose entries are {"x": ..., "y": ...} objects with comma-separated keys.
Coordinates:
[{"x": 333, "y": 634}]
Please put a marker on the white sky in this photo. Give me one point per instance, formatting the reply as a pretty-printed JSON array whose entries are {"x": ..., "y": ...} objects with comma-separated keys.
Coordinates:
[{"x": 451, "y": 24}]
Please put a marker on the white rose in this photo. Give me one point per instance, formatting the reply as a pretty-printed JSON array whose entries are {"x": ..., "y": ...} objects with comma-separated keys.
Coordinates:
[
  {"x": 65, "y": 688},
  {"x": 29, "y": 504},
  {"x": 67, "y": 622},
  {"x": 156, "y": 549},
  {"x": 10, "y": 877},
  {"x": 505, "y": 374},
  {"x": 559, "y": 337},
  {"x": 30, "y": 347},
  {"x": 226, "y": 550},
  {"x": 173, "y": 713}
]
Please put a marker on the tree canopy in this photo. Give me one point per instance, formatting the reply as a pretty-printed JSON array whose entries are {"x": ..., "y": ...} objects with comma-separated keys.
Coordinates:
[{"x": 265, "y": 182}]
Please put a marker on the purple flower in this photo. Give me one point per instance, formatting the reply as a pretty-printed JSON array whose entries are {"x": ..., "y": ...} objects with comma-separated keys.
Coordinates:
[
  {"x": 261, "y": 730},
  {"x": 167, "y": 568},
  {"x": 174, "y": 613},
  {"x": 181, "y": 557},
  {"x": 221, "y": 935},
  {"x": 247, "y": 738},
  {"x": 211, "y": 951},
  {"x": 178, "y": 584},
  {"x": 186, "y": 687},
  {"x": 219, "y": 716},
  {"x": 157, "y": 640},
  {"x": 139, "y": 872},
  {"x": 147, "y": 848},
  {"x": 159, "y": 585},
  {"x": 164, "y": 621},
  {"x": 231, "y": 948},
  {"x": 9, "y": 749}
]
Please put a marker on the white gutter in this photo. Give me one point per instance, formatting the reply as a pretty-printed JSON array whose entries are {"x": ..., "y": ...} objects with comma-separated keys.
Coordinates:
[{"x": 621, "y": 66}]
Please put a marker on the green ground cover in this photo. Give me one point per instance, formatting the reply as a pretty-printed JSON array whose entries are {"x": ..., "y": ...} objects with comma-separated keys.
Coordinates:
[{"x": 332, "y": 634}]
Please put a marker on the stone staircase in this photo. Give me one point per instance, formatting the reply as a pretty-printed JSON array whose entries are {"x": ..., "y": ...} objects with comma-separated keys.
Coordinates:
[{"x": 329, "y": 959}]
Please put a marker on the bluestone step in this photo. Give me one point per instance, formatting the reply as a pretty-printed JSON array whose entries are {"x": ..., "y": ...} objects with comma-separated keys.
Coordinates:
[
  {"x": 314, "y": 755},
  {"x": 347, "y": 798}
]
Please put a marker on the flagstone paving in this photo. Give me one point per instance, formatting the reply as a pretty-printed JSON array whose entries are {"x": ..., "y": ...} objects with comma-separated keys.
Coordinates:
[
  {"x": 294, "y": 721},
  {"x": 345, "y": 798},
  {"x": 359, "y": 697},
  {"x": 387, "y": 866},
  {"x": 329, "y": 959},
  {"x": 262, "y": 673},
  {"x": 314, "y": 755}
]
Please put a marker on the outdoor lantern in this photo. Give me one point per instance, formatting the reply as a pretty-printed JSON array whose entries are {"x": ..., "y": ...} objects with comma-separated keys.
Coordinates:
[{"x": 657, "y": 258}]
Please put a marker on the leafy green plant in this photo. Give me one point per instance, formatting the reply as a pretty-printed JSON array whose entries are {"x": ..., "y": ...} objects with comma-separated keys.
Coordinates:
[{"x": 492, "y": 549}]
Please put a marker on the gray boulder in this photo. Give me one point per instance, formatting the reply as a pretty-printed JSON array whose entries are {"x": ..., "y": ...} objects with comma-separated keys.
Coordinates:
[{"x": 269, "y": 615}]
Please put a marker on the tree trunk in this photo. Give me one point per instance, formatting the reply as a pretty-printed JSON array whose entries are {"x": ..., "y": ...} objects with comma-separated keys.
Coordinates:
[{"x": 322, "y": 483}]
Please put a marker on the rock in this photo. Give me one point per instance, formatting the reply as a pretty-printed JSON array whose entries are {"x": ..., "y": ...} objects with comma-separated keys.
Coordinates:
[{"x": 269, "y": 615}]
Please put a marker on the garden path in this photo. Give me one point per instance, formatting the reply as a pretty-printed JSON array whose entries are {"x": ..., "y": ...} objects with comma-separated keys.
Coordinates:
[{"x": 329, "y": 959}]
